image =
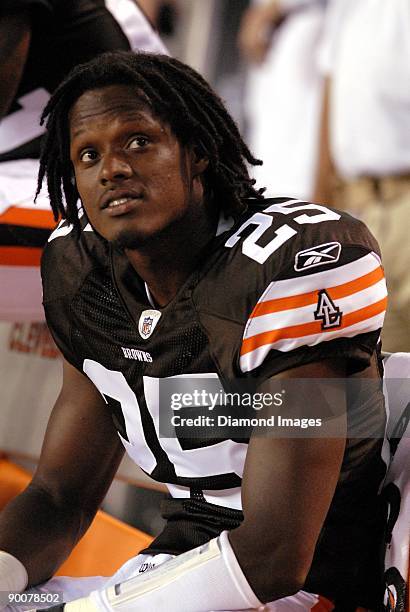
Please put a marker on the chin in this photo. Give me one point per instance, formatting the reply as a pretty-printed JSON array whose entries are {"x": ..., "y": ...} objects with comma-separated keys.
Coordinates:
[
  {"x": 129, "y": 239},
  {"x": 139, "y": 236}
]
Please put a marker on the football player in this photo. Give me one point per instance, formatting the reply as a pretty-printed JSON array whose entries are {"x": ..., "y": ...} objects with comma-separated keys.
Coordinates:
[
  {"x": 177, "y": 269},
  {"x": 40, "y": 41}
]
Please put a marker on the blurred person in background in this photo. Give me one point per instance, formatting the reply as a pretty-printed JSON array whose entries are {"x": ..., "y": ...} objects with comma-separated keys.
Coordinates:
[
  {"x": 163, "y": 14},
  {"x": 280, "y": 39},
  {"x": 40, "y": 41},
  {"x": 364, "y": 162}
]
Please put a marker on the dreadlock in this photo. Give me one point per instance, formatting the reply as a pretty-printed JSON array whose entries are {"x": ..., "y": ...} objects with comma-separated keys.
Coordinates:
[{"x": 179, "y": 96}]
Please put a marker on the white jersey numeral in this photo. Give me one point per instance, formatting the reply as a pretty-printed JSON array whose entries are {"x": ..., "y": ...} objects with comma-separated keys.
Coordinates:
[
  {"x": 287, "y": 208},
  {"x": 224, "y": 457},
  {"x": 64, "y": 228},
  {"x": 112, "y": 384},
  {"x": 249, "y": 246},
  {"x": 263, "y": 222}
]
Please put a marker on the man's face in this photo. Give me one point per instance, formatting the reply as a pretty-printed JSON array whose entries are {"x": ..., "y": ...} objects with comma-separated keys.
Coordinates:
[{"x": 133, "y": 177}]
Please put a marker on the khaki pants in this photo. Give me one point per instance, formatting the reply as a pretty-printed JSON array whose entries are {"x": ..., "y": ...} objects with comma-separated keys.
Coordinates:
[{"x": 384, "y": 205}]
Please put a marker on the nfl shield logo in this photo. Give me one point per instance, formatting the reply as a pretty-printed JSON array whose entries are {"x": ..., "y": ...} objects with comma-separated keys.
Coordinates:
[
  {"x": 146, "y": 326},
  {"x": 148, "y": 321}
]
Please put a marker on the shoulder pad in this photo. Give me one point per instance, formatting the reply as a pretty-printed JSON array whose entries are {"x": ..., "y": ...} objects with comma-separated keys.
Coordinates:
[{"x": 68, "y": 258}]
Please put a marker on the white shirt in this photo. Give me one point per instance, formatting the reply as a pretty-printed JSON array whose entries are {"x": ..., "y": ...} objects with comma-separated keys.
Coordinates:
[
  {"x": 366, "y": 52},
  {"x": 283, "y": 103},
  {"x": 136, "y": 26}
]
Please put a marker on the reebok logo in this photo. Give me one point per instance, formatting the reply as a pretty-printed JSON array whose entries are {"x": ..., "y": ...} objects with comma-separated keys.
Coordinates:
[
  {"x": 137, "y": 355},
  {"x": 145, "y": 567},
  {"x": 319, "y": 255}
]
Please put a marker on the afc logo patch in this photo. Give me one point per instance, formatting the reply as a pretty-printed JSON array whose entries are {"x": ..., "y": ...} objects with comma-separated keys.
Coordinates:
[{"x": 327, "y": 311}]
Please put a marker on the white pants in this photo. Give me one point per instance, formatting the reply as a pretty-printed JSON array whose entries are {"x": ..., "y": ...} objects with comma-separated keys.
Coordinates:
[{"x": 74, "y": 588}]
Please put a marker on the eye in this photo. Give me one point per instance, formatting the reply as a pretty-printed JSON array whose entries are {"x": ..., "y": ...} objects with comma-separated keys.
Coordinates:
[
  {"x": 88, "y": 155},
  {"x": 137, "y": 142}
]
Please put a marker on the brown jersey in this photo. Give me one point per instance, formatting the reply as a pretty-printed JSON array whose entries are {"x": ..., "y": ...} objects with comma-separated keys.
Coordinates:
[{"x": 288, "y": 284}]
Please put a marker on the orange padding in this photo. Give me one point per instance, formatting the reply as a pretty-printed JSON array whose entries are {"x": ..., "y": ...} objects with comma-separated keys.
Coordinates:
[
  {"x": 13, "y": 479},
  {"x": 28, "y": 217},
  {"x": 20, "y": 256},
  {"x": 105, "y": 547}
]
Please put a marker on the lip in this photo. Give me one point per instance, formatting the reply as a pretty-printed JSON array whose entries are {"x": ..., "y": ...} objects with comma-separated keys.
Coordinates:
[
  {"x": 120, "y": 194},
  {"x": 129, "y": 205}
]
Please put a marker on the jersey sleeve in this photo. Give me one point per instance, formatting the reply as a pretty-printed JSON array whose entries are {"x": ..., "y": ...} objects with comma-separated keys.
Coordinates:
[
  {"x": 329, "y": 300},
  {"x": 58, "y": 288},
  {"x": 69, "y": 258}
]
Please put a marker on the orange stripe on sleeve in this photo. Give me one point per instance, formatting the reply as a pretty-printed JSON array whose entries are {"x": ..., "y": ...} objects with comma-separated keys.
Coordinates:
[
  {"x": 309, "y": 329},
  {"x": 20, "y": 256},
  {"x": 305, "y": 299},
  {"x": 28, "y": 217}
]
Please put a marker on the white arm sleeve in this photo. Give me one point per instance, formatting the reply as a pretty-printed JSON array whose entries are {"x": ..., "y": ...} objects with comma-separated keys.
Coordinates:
[
  {"x": 13, "y": 574},
  {"x": 206, "y": 578}
]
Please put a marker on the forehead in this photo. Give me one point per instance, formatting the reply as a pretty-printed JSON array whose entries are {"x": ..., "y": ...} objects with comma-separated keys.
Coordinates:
[{"x": 107, "y": 103}]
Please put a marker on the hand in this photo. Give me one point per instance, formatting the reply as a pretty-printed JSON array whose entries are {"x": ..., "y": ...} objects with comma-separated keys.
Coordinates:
[{"x": 255, "y": 33}]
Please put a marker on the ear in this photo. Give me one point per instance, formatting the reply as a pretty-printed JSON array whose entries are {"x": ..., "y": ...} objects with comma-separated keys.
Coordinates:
[{"x": 199, "y": 162}]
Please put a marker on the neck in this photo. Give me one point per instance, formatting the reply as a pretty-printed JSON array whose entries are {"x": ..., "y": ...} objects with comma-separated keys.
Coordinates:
[{"x": 168, "y": 260}]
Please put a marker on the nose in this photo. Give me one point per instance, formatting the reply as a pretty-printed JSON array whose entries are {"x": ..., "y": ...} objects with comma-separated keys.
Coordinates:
[{"x": 115, "y": 167}]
